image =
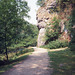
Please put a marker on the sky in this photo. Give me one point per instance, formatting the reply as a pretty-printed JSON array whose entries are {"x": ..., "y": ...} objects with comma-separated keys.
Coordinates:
[{"x": 32, "y": 13}]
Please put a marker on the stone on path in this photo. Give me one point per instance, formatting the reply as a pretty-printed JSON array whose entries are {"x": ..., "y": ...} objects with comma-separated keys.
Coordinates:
[{"x": 36, "y": 64}]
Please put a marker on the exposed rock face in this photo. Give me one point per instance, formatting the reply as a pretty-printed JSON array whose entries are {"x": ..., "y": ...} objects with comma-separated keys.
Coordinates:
[
  {"x": 43, "y": 17},
  {"x": 46, "y": 14},
  {"x": 41, "y": 37}
]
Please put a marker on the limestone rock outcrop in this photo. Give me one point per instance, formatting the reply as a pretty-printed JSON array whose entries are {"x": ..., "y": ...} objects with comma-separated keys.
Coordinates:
[
  {"x": 41, "y": 37},
  {"x": 46, "y": 14},
  {"x": 43, "y": 17}
]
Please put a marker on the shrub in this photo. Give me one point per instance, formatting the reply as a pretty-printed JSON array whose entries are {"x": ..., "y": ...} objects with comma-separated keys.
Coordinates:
[
  {"x": 72, "y": 43},
  {"x": 26, "y": 50},
  {"x": 41, "y": 3},
  {"x": 56, "y": 44},
  {"x": 53, "y": 29},
  {"x": 72, "y": 47}
]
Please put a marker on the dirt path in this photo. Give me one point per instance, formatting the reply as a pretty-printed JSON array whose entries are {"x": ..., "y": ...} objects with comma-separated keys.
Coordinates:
[{"x": 36, "y": 64}]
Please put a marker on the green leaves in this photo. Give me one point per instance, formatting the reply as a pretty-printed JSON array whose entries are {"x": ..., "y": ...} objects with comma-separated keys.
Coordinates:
[
  {"x": 11, "y": 21},
  {"x": 57, "y": 44},
  {"x": 72, "y": 29},
  {"x": 52, "y": 32},
  {"x": 22, "y": 8},
  {"x": 41, "y": 2}
]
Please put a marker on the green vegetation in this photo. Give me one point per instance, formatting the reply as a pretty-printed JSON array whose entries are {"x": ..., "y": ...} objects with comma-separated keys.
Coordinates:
[
  {"x": 56, "y": 44},
  {"x": 14, "y": 58},
  {"x": 11, "y": 22},
  {"x": 62, "y": 62},
  {"x": 13, "y": 55},
  {"x": 64, "y": 3},
  {"x": 15, "y": 32},
  {"x": 16, "y": 35},
  {"x": 72, "y": 43},
  {"x": 52, "y": 32},
  {"x": 41, "y": 2}
]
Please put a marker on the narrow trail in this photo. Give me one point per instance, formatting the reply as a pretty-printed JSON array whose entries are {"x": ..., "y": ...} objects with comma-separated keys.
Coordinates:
[{"x": 36, "y": 64}]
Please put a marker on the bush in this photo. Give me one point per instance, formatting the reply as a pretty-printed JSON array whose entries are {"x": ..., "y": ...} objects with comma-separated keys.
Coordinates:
[
  {"x": 24, "y": 51},
  {"x": 29, "y": 42},
  {"x": 53, "y": 29},
  {"x": 41, "y": 3},
  {"x": 72, "y": 44},
  {"x": 1, "y": 62},
  {"x": 56, "y": 44},
  {"x": 72, "y": 47}
]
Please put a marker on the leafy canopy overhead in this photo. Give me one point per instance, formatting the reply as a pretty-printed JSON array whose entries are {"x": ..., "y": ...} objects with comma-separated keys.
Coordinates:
[{"x": 23, "y": 8}]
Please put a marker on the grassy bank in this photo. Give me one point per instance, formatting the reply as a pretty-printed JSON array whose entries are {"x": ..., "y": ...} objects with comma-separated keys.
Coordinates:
[
  {"x": 62, "y": 61},
  {"x": 21, "y": 55}
]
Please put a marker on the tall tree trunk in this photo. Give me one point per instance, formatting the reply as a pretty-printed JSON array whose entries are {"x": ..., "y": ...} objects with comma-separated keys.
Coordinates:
[
  {"x": 6, "y": 53},
  {"x": 6, "y": 43}
]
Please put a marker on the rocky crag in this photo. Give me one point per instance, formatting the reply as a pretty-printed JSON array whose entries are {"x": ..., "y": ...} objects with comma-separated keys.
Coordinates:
[{"x": 45, "y": 15}]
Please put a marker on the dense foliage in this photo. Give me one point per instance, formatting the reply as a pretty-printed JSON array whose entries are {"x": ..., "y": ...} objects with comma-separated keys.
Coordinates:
[
  {"x": 14, "y": 30},
  {"x": 56, "y": 44},
  {"x": 72, "y": 43},
  {"x": 70, "y": 23},
  {"x": 53, "y": 30},
  {"x": 64, "y": 3},
  {"x": 14, "y": 56},
  {"x": 41, "y": 2}
]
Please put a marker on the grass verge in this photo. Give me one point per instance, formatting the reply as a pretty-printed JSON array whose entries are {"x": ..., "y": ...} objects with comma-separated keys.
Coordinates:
[
  {"x": 13, "y": 62},
  {"x": 62, "y": 61}
]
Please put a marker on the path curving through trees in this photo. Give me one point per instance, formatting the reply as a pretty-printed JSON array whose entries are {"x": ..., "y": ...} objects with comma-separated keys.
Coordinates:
[{"x": 36, "y": 64}]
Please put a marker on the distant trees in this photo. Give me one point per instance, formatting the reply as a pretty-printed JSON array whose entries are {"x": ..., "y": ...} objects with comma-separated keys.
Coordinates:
[{"x": 12, "y": 13}]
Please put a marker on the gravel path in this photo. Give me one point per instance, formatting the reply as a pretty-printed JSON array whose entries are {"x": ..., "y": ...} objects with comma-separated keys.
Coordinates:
[{"x": 36, "y": 64}]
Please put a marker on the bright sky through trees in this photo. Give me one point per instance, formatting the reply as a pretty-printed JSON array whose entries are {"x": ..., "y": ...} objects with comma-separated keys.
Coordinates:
[{"x": 33, "y": 9}]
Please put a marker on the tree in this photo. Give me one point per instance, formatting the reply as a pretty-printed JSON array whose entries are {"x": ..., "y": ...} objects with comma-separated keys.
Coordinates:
[
  {"x": 22, "y": 8},
  {"x": 72, "y": 29},
  {"x": 11, "y": 21}
]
